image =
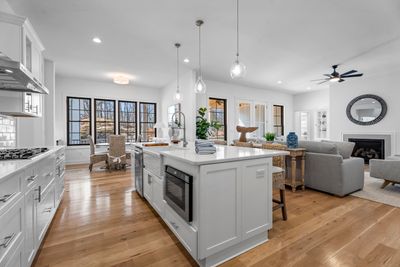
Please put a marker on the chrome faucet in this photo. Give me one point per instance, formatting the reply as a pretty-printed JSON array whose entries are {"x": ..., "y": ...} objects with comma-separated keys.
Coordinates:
[{"x": 185, "y": 143}]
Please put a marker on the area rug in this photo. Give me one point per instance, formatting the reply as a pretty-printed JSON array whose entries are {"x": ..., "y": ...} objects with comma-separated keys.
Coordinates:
[{"x": 372, "y": 191}]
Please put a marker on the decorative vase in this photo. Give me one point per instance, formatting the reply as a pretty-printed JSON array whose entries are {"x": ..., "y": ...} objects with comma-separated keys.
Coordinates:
[{"x": 292, "y": 140}]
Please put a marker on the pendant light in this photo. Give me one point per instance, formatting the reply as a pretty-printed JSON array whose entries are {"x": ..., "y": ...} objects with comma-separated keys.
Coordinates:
[
  {"x": 178, "y": 94},
  {"x": 238, "y": 69},
  {"x": 199, "y": 86}
]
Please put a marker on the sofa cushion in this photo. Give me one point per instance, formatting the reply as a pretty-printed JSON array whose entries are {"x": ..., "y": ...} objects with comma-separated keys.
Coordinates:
[
  {"x": 318, "y": 147},
  {"x": 345, "y": 149}
]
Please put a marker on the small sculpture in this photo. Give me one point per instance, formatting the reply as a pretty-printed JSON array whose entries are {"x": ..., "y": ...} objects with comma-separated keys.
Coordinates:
[{"x": 243, "y": 131}]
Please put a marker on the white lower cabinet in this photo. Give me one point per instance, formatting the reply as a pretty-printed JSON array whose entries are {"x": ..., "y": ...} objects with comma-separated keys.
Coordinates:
[
  {"x": 31, "y": 198},
  {"x": 147, "y": 185},
  {"x": 158, "y": 193},
  {"x": 27, "y": 206}
]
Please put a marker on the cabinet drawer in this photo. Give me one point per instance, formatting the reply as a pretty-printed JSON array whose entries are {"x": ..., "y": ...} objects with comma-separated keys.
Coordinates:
[
  {"x": 11, "y": 229},
  {"x": 10, "y": 190},
  {"x": 183, "y": 231},
  {"x": 29, "y": 179},
  {"x": 152, "y": 163},
  {"x": 46, "y": 172},
  {"x": 45, "y": 210},
  {"x": 16, "y": 259}
]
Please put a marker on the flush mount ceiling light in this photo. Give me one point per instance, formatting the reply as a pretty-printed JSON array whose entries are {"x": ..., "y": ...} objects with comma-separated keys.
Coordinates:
[
  {"x": 200, "y": 86},
  {"x": 96, "y": 40},
  {"x": 238, "y": 69},
  {"x": 121, "y": 79},
  {"x": 178, "y": 95},
  {"x": 186, "y": 60},
  {"x": 279, "y": 82}
]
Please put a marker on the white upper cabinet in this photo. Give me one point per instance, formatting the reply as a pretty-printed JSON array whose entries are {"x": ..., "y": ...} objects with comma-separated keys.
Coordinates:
[{"x": 22, "y": 43}]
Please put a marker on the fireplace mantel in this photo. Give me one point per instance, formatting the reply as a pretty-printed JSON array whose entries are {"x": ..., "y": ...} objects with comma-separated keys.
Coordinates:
[{"x": 389, "y": 137}]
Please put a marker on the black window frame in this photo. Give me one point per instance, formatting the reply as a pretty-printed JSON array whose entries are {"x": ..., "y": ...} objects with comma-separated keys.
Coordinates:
[
  {"x": 282, "y": 125},
  {"x": 136, "y": 116},
  {"x": 68, "y": 118},
  {"x": 140, "y": 117},
  {"x": 95, "y": 116},
  {"x": 225, "y": 115}
]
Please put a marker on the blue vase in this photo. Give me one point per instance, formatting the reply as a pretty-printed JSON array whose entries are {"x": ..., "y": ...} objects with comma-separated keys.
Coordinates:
[{"x": 292, "y": 140}]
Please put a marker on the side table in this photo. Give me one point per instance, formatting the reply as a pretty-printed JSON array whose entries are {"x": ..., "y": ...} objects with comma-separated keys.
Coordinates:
[{"x": 292, "y": 180}]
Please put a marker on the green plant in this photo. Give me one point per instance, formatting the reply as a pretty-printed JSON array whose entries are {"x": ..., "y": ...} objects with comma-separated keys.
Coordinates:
[
  {"x": 203, "y": 126},
  {"x": 269, "y": 136}
]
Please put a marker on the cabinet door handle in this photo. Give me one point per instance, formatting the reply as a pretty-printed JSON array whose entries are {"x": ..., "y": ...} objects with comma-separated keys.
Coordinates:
[
  {"x": 39, "y": 190},
  {"x": 7, "y": 240},
  {"x": 48, "y": 210},
  {"x": 32, "y": 178},
  {"x": 150, "y": 180},
  {"x": 7, "y": 197}
]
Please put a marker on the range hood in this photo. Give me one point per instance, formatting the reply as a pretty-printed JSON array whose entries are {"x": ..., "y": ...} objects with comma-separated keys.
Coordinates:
[{"x": 15, "y": 77}]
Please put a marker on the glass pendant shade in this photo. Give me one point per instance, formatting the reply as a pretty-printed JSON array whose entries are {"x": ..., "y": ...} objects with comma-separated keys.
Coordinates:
[
  {"x": 238, "y": 70},
  {"x": 200, "y": 86},
  {"x": 178, "y": 96}
]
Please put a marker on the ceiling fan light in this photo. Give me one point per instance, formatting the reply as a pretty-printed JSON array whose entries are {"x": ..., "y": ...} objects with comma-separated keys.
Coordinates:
[
  {"x": 334, "y": 79},
  {"x": 238, "y": 70}
]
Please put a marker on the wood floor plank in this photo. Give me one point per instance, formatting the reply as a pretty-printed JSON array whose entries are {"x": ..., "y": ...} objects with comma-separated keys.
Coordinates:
[{"x": 101, "y": 222}]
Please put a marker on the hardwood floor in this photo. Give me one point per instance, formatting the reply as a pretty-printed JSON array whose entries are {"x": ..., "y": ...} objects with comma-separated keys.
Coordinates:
[{"x": 102, "y": 223}]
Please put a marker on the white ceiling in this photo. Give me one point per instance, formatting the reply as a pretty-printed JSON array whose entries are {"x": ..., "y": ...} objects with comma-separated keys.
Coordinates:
[{"x": 293, "y": 41}]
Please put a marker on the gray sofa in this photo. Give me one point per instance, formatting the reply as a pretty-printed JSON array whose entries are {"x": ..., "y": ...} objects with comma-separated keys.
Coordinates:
[{"x": 330, "y": 167}]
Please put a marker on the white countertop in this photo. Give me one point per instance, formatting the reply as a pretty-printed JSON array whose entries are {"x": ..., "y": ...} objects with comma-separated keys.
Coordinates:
[
  {"x": 9, "y": 167},
  {"x": 223, "y": 154}
]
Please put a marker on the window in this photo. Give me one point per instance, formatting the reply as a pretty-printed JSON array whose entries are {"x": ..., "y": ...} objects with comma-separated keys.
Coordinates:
[
  {"x": 104, "y": 119},
  {"x": 7, "y": 132},
  {"x": 127, "y": 120},
  {"x": 217, "y": 112},
  {"x": 278, "y": 120},
  {"x": 78, "y": 120},
  {"x": 147, "y": 120},
  {"x": 253, "y": 114}
]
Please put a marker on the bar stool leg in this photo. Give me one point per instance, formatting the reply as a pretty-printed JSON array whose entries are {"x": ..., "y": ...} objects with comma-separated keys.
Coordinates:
[{"x": 283, "y": 201}]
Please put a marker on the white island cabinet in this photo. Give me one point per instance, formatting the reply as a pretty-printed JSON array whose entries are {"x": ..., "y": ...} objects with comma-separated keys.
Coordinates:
[
  {"x": 231, "y": 199},
  {"x": 30, "y": 193}
]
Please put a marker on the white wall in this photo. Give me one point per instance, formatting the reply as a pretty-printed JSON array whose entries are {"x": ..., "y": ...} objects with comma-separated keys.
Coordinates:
[
  {"x": 186, "y": 85},
  {"x": 67, "y": 86},
  {"x": 386, "y": 86},
  {"x": 233, "y": 93},
  {"x": 311, "y": 101},
  {"x": 5, "y": 7}
]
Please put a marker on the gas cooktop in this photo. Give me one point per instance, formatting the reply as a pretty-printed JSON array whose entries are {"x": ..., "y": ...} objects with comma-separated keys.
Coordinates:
[{"x": 21, "y": 153}]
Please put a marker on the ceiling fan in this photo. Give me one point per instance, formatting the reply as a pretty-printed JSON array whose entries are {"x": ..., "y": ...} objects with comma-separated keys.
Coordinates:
[{"x": 337, "y": 77}]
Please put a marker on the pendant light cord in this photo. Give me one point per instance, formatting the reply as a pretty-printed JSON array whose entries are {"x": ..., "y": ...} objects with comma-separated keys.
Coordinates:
[
  {"x": 200, "y": 51},
  {"x": 237, "y": 29},
  {"x": 177, "y": 69}
]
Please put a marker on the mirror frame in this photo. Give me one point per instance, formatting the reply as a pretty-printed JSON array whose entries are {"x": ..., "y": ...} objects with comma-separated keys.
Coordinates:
[{"x": 365, "y": 123}]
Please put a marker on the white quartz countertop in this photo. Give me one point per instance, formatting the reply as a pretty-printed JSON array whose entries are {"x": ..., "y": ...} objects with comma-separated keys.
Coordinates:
[
  {"x": 9, "y": 167},
  {"x": 223, "y": 154}
]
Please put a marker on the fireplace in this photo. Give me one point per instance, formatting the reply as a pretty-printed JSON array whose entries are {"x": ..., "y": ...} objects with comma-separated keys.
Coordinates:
[{"x": 368, "y": 149}]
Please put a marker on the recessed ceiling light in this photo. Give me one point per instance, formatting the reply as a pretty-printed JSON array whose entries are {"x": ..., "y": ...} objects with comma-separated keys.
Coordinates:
[
  {"x": 279, "y": 82},
  {"x": 121, "y": 79},
  {"x": 308, "y": 87},
  {"x": 186, "y": 60},
  {"x": 96, "y": 40}
]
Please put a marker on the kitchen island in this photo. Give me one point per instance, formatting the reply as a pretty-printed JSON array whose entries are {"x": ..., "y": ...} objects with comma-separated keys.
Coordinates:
[{"x": 224, "y": 206}]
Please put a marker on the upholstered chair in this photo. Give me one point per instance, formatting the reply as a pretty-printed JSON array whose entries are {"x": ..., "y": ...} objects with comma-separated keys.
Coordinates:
[
  {"x": 116, "y": 156},
  {"x": 278, "y": 177},
  {"x": 95, "y": 157}
]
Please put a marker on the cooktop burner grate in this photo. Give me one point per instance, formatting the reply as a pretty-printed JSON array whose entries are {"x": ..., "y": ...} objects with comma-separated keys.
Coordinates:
[{"x": 21, "y": 153}]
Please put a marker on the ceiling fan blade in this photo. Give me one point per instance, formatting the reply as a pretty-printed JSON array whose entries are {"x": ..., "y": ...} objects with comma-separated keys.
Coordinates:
[
  {"x": 323, "y": 82},
  {"x": 328, "y": 75},
  {"x": 341, "y": 80},
  {"x": 349, "y": 72},
  {"x": 350, "y": 76}
]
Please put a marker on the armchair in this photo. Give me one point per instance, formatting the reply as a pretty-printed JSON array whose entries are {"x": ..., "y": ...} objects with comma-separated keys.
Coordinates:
[{"x": 387, "y": 170}]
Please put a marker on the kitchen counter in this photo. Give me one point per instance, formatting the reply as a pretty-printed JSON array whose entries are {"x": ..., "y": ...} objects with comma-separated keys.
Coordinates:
[
  {"x": 9, "y": 167},
  {"x": 223, "y": 154}
]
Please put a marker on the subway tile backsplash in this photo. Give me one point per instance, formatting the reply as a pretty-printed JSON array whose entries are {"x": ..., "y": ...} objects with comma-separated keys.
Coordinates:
[{"x": 7, "y": 132}]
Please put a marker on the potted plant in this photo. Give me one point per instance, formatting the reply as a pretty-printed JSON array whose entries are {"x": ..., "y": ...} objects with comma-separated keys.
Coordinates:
[
  {"x": 269, "y": 137},
  {"x": 203, "y": 126}
]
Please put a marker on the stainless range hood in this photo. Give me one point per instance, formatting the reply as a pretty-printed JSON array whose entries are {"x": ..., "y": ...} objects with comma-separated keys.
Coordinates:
[{"x": 15, "y": 77}]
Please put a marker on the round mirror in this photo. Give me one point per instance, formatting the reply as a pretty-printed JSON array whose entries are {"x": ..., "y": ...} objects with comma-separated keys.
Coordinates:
[{"x": 366, "y": 109}]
